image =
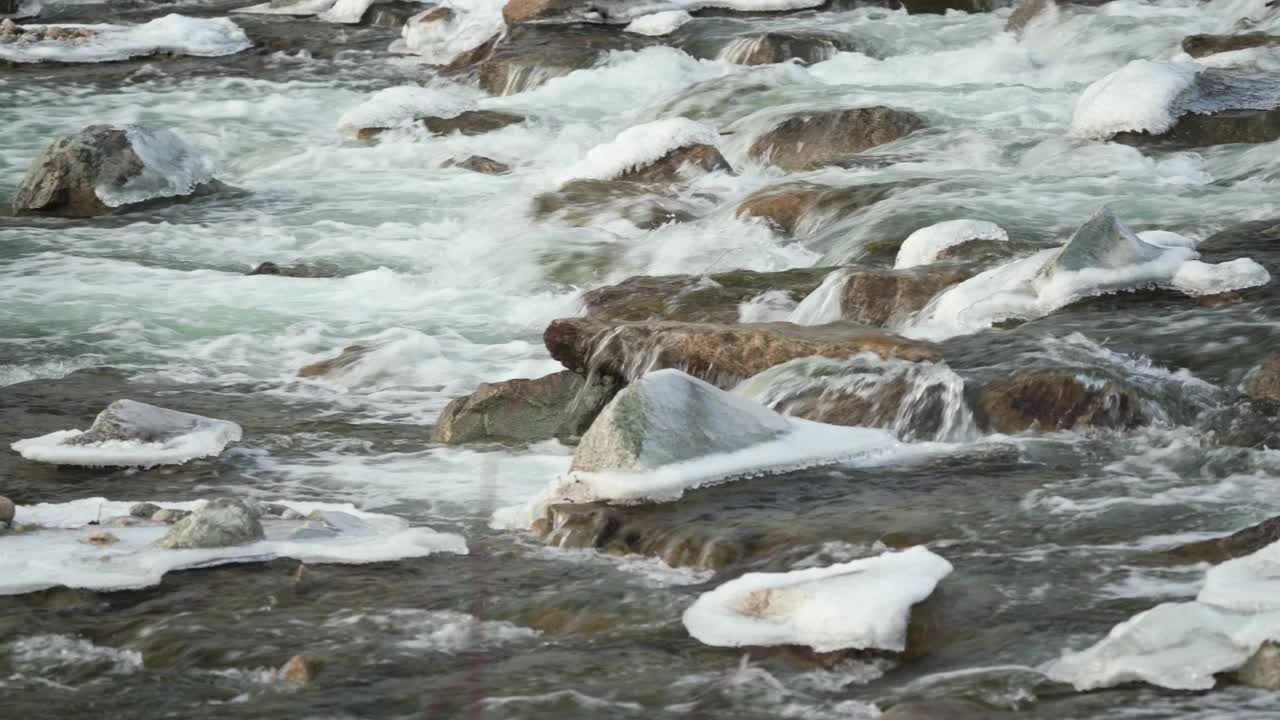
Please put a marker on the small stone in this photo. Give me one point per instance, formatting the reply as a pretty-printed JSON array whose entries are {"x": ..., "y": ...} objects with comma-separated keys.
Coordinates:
[
  {"x": 8, "y": 27},
  {"x": 223, "y": 522},
  {"x": 144, "y": 510},
  {"x": 169, "y": 516},
  {"x": 7, "y": 509},
  {"x": 297, "y": 670},
  {"x": 101, "y": 537}
]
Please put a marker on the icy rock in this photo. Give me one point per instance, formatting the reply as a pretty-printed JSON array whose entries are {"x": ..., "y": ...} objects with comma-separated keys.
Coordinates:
[
  {"x": 864, "y": 604},
  {"x": 401, "y": 106},
  {"x": 103, "y": 168},
  {"x": 1143, "y": 96},
  {"x": 130, "y": 433},
  {"x": 924, "y": 245},
  {"x": 176, "y": 34},
  {"x": 452, "y": 33},
  {"x": 643, "y": 146},
  {"x": 659, "y": 23},
  {"x": 220, "y": 523}
]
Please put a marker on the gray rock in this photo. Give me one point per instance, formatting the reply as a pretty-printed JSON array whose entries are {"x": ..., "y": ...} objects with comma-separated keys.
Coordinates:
[
  {"x": 1101, "y": 242},
  {"x": 169, "y": 516},
  {"x": 131, "y": 420},
  {"x": 667, "y": 416},
  {"x": 4, "y": 527},
  {"x": 314, "y": 530},
  {"x": 561, "y": 405},
  {"x": 223, "y": 522},
  {"x": 73, "y": 173},
  {"x": 7, "y": 509},
  {"x": 144, "y": 510},
  {"x": 1263, "y": 669}
]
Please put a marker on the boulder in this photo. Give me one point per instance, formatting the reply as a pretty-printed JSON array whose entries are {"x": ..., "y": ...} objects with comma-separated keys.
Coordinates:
[
  {"x": 139, "y": 422},
  {"x": 7, "y": 510},
  {"x": 678, "y": 165},
  {"x": 805, "y": 141},
  {"x": 481, "y": 164},
  {"x": 1050, "y": 400},
  {"x": 644, "y": 530},
  {"x": 1263, "y": 382},
  {"x": 695, "y": 298},
  {"x": 1223, "y": 127},
  {"x": 561, "y": 405},
  {"x": 720, "y": 354},
  {"x": 1228, "y": 547},
  {"x": 1245, "y": 423},
  {"x": 583, "y": 203},
  {"x": 1262, "y": 670},
  {"x": 885, "y": 297},
  {"x": 784, "y": 207},
  {"x": 293, "y": 271},
  {"x": 223, "y": 522},
  {"x": 101, "y": 169},
  {"x": 1202, "y": 45},
  {"x": 668, "y": 417},
  {"x": 767, "y": 48},
  {"x": 519, "y": 11}
]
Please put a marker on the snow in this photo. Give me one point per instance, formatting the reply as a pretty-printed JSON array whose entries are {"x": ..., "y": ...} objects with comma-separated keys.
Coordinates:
[
  {"x": 660, "y": 23},
  {"x": 202, "y": 37},
  {"x": 158, "y": 437},
  {"x": 638, "y": 146},
  {"x": 171, "y": 167},
  {"x": 1102, "y": 257},
  {"x": 864, "y": 604},
  {"x": 56, "y": 555},
  {"x": 709, "y": 437},
  {"x": 346, "y": 12},
  {"x": 924, "y": 245},
  {"x": 399, "y": 106},
  {"x": 1182, "y": 646},
  {"x": 301, "y": 8},
  {"x": 441, "y": 41},
  {"x": 1141, "y": 96}
]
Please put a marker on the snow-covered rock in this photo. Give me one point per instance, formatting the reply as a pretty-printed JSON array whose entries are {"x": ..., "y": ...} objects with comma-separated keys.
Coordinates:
[
  {"x": 864, "y": 604},
  {"x": 924, "y": 245},
  {"x": 446, "y": 33},
  {"x": 400, "y": 106},
  {"x": 177, "y": 34},
  {"x": 639, "y": 146},
  {"x": 659, "y": 23},
  {"x": 1142, "y": 96}
]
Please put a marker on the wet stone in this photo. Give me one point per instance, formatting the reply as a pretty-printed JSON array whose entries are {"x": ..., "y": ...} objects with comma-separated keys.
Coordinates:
[
  {"x": 809, "y": 140},
  {"x": 144, "y": 510},
  {"x": 223, "y": 522},
  {"x": 169, "y": 516},
  {"x": 298, "y": 670},
  {"x": 7, "y": 509}
]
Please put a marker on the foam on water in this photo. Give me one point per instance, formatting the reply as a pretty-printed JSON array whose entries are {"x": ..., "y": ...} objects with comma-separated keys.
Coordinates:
[
  {"x": 863, "y": 604},
  {"x": 45, "y": 654},
  {"x": 924, "y": 245},
  {"x": 178, "y": 34},
  {"x": 56, "y": 554},
  {"x": 400, "y": 106}
]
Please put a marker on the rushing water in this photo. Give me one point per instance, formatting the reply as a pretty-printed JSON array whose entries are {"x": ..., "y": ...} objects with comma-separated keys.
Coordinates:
[{"x": 1049, "y": 534}]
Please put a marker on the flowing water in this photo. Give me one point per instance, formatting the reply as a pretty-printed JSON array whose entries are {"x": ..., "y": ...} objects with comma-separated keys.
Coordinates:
[{"x": 1051, "y": 535}]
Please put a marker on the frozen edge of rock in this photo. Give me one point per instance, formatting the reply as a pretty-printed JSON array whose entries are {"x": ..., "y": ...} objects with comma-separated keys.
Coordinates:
[
  {"x": 864, "y": 604},
  {"x": 56, "y": 555}
]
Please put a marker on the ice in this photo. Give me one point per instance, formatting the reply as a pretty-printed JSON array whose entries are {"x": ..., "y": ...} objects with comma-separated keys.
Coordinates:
[
  {"x": 638, "y": 146},
  {"x": 660, "y": 23},
  {"x": 924, "y": 245},
  {"x": 301, "y": 8},
  {"x": 56, "y": 555},
  {"x": 346, "y": 12},
  {"x": 25, "y": 9},
  {"x": 1141, "y": 96},
  {"x": 1103, "y": 256},
  {"x": 441, "y": 41},
  {"x": 864, "y": 604},
  {"x": 178, "y": 34},
  {"x": 131, "y": 433},
  {"x": 1182, "y": 646},
  {"x": 399, "y": 106},
  {"x": 171, "y": 167},
  {"x": 667, "y": 433}
]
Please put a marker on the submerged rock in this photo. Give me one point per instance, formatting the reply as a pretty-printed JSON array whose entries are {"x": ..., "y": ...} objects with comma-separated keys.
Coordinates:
[
  {"x": 887, "y": 297},
  {"x": 223, "y": 522},
  {"x": 1024, "y": 13},
  {"x": 805, "y": 141},
  {"x": 642, "y": 530},
  {"x": 1236, "y": 545},
  {"x": 1050, "y": 400},
  {"x": 1263, "y": 382},
  {"x": 102, "y": 169},
  {"x": 532, "y": 54},
  {"x": 1202, "y": 45},
  {"x": 779, "y": 46},
  {"x": 293, "y": 271},
  {"x": 1224, "y": 127},
  {"x": 712, "y": 298},
  {"x": 467, "y": 122},
  {"x": 481, "y": 164},
  {"x": 721, "y": 354},
  {"x": 561, "y": 405},
  {"x": 944, "y": 709},
  {"x": 786, "y": 206},
  {"x": 298, "y": 670},
  {"x": 584, "y": 202},
  {"x": 349, "y": 356}
]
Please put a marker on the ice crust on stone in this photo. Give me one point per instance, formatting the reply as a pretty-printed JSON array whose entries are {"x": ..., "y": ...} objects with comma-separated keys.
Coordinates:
[
  {"x": 659, "y": 23},
  {"x": 1144, "y": 95},
  {"x": 299, "y": 8},
  {"x": 56, "y": 554},
  {"x": 130, "y": 433},
  {"x": 202, "y": 37},
  {"x": 171, "y": 167},
  {"x": 864, "y": 604},
  {"x": 442, "y": 40},
  {"x": 924, "y": 245},
  {"x": 1184, "y": 645},
  {"x": 399, "y": 106},
  {"x": 638, "y": 146},
  {"x": 1103, "y": 256}
]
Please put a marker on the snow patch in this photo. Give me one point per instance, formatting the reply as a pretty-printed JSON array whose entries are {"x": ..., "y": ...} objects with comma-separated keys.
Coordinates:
[
  {"x": 924, "y": 245},
  {"x": 178, "y": 34},
  {"x": 864, "y": 604}
]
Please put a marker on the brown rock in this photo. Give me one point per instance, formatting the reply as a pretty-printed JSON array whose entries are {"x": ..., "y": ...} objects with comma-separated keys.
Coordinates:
[
  {"x": 785, "y": 206},
  {"x": 348, "y": 357},
  {"x": 298, "y": 670},
  {"x": 695, "y": 298},
  {"x": 720, "y": 354},
  {"x": 585, "y": 202},
  {"x": 101, "y": 537},
  {"x": 642, "y": 530},
  {"x": 1262, "y": 670},
  {"x": 561, "y": 405},
  {"x": 810, "y": 140},
  {"x": 767, "y": 48},
  {"x": 518, "y": 11},
  {"x": 943, "y": 710},
  {"x": 1219, "y": 128},
  {"x": 1263, "y": 382},
  {"x": 883, "y": 297},
  {"x": 1236, "y": 545},
  {"x": 566, "y": 621},
  {"x": 679, "y": 164},
  {"x": 531, "y": 54},
  {"x": 1202, "y": 45},
  {"x": 482, "y": 165},
  {"x": 1056, "y": 400},
  {"x": 63, "y": 179},
  {"x": 1022, "y": 15},
  {"x": 471, "y": 122}
]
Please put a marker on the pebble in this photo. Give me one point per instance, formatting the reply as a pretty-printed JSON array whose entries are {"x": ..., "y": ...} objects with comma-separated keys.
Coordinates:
[
  {"x": 7, "y": 509},
  {"x": 297, "y": 670}
]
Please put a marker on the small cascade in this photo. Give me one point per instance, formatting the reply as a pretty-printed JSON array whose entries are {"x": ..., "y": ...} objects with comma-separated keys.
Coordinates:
[
  {"x": 822, "y": 306},
  {"x": 916, "y": 401},
  {"x": 741, "y": 50},
  {"x": 527, "y": 77}
]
